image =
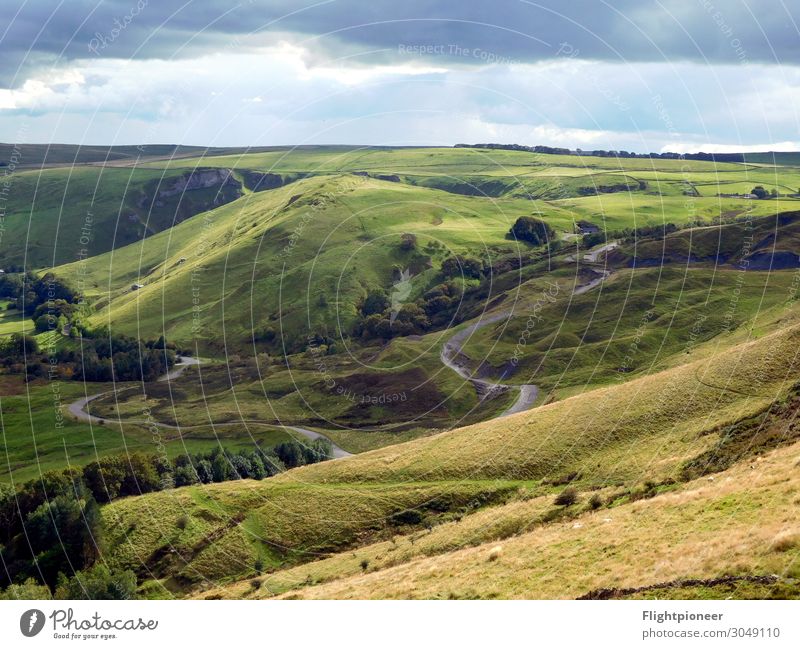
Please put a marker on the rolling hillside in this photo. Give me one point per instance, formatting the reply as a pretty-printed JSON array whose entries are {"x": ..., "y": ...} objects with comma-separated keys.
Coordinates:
[
  {"x": 644, "y": 436},
  {"x": 656, "y": 366}
]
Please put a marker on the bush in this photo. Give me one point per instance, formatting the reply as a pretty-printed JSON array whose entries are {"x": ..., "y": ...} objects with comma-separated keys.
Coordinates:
[
  {"x": 182, "y": 522},
  {"x": 408, "y": 241},
  {"x": 462, "y": 266},
  {"x": 566, "y": 498},
  {"x": 532, "y": 230},
  {"x": 98, "y": 582},
  {"x": 376, "y": 302},
  {"x": 29, "y": 589},
  {"x": 595, "y": 502}
]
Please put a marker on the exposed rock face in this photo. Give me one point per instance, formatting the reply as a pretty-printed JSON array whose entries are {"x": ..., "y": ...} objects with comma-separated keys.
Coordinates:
[
  {"x": 200, "y": 179},
  {"x": 259, "y": 181}
]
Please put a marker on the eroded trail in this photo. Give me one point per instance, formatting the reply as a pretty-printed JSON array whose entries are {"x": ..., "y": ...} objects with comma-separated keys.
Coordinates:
[
  {"x": 454, "y": 358},
  {"x": 452, "y": 354}
]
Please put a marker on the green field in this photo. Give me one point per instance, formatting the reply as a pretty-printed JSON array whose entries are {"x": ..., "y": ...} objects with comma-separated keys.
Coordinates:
[{"x": 666, "y": 369}]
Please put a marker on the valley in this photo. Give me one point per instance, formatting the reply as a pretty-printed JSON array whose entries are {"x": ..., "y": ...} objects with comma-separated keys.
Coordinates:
[{"x": 486, "y": 415}]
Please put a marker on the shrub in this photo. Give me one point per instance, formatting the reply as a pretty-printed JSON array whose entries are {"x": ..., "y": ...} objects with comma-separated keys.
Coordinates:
[
  {"x": 532, "y": 230},
  {"x": 376, "y": 302},
  {"x": 462, "y": 266},
  {"x": 566, "y": 498},
  {"x": 785, "y": 541},
  {"x": 364, "y": 564},
  {"x": 98, "y": 582},
  {"x": 29, "y": 589},
  {"x": 595, "y": 502},
  {"x": 182, "y": 522},
  {"x": 408, "y": 241},
  {"x": 407, "y": 517}
]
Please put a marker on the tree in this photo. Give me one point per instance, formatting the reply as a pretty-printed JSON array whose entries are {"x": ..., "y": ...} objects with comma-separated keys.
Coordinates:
[
  {"x": 408, "y": 242},
  {"x": 375, "y": 302},
  {"x": 759, "y": 192},
  {"x": 532, "y": 230},
  {"x": 242, "y": 468},
  {"x": 290, "y": 453},
  {"x": 98, "y": 582},
  {"x": 22, "y": 345},
  {"x": 221, "y": 468},
  {"x": 186, "y": 475},
  {"x": 29, "y": 589},
  {"x": 64, "y": 535},
  {"x": 10, "y": 286},
  {"x": 205, "y": 472},
  {"x": 462, "y": 266}
]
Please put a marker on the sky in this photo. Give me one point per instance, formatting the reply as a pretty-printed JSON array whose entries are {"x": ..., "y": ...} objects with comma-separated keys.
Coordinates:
[{"x": 635, "y": 75}]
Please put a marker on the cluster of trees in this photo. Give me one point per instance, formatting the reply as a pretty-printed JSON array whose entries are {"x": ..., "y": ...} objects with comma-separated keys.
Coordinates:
[
  {"x": 601, "y": 153},
  {"x": 532, "y": 230},
  {"x": 31, "y": 292},
  {"x": 52, "y": 526},
  {"x": 106, "y": 357},
  {"x": 48, "y": 527},
  {"x": 102, "y": 358},
  {"x": 759, "y": 192},
  {"x": 436, "y": 308},
  {"x": 49, "y": 300},
  {"x": 117, "y": 476},
  {"x": 629, "y": 235},
  {"x": 439, "y": 306}
]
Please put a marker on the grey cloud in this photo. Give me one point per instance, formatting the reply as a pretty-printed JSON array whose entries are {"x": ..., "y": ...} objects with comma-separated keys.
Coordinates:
[{"x": 38, "y": 33}]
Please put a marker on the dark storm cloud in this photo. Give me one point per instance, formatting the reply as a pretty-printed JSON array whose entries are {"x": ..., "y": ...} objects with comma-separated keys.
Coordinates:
[{"x": 45, "y": 32}]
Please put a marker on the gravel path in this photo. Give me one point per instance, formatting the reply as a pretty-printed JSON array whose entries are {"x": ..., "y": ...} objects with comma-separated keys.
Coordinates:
[
  {"x": 78, "y": 410},
  {"x": 453, "y": 357}
]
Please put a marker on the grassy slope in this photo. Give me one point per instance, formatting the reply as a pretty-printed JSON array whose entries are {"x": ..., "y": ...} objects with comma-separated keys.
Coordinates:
[
  {"x": 34, "y": 439},
  {"x": 641, "y": 430},
  {"x": 56, "y": 216},
  {"x": 640, "y": 318},
  {"x": 58, "y": 200},
  {"x": 740, "y": 524},
  {"x": 253, "y": 257},
  {"x": 559, "y": 182}
]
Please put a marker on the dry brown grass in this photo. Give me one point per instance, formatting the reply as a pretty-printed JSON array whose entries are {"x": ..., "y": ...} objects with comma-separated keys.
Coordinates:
[{"x": 741, "y": 523}]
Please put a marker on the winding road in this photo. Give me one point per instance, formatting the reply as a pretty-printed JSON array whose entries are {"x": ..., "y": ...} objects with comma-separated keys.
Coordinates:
[
  {"x": 453, "y": 357},
  {"x": 78, "y": 410}
]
